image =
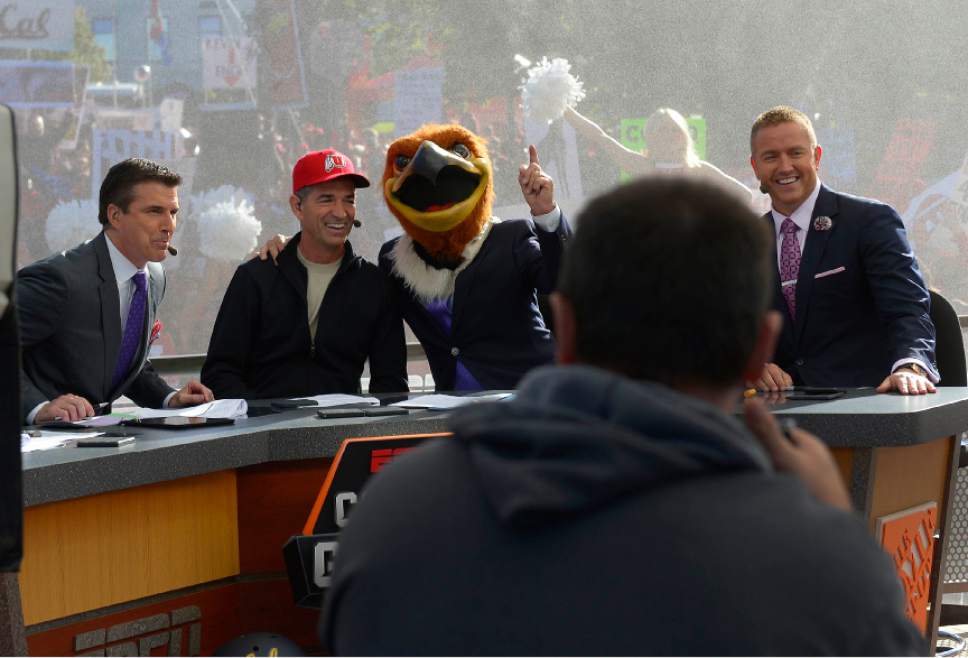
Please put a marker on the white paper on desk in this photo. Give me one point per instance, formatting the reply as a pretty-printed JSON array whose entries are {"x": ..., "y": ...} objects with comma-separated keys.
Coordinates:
[
  {"x": 440, "y": 401},
  {"x": 48, "y": 440},
  {"x": 228, "y": 408},
  {"x": 340, "y": 399}
]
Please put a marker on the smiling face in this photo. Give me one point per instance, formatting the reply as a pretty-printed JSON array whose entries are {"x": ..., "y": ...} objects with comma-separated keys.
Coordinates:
[
  {"x": 437, "y": 183},
  {"x": 142, "y": 233},
  {"x": 326, "y": 212},
  {"x": 786, "y": 159}
]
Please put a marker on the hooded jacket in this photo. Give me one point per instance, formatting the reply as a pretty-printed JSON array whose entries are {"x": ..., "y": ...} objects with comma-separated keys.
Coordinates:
[{"x": 598, "y": 515}]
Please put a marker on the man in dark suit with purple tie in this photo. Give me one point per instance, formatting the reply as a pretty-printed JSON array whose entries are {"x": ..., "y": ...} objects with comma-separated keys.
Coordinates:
[
  {"x": 86, "y": 314},
  {"x": 855, "y": 307}
]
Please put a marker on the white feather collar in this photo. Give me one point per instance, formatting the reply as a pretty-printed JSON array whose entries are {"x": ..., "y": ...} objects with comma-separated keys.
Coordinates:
[{"x": 426, "y": 282}]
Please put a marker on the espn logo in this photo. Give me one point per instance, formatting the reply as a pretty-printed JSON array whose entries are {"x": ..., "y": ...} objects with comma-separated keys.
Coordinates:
[{"x": 380, "y": 458}]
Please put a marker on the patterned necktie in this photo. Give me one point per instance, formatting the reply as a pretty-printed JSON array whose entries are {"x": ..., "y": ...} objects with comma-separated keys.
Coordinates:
[
  {"x": 133, "y": 329},
  {"x": 789, "y": 264}
]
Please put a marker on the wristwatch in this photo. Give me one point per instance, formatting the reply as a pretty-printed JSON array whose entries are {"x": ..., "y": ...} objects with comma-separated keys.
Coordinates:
[{"x": 913, "y": 367}]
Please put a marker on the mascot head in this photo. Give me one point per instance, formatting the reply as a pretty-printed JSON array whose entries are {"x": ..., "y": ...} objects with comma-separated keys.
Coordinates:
[{"x": 438, "y": 184}]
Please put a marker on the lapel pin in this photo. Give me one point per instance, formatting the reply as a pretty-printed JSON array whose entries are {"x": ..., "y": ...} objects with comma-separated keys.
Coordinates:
[{"x": 823, "y": 223}]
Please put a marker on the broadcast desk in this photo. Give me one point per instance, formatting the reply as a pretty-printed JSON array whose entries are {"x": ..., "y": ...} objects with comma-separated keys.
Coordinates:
[{"x": 174, "y": 545}]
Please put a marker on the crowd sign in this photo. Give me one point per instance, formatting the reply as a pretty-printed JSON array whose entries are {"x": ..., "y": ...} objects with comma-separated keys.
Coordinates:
[
  {"x": 418, "y": 98},
  {"x": 899, "y": 174},
  {"x": 37, "y": 85},
  {"x": 37, "y": 24},
  {"x": 228, "y": 63},
  {"x": 839, "y": 155},
  {"x": 111, "y": 146},
  {"x": 283, "y": 54}
]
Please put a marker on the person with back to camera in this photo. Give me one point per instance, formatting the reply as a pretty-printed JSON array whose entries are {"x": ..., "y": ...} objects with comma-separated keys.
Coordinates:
[{"x": 617, "y": 506}]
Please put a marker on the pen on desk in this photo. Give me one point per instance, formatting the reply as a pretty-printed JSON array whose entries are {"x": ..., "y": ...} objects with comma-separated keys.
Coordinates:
[{"x": 752, "y": 392}]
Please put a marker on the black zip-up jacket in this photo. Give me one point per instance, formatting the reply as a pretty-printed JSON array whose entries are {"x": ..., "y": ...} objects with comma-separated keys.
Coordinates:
[{"x": 261, "y": 346}]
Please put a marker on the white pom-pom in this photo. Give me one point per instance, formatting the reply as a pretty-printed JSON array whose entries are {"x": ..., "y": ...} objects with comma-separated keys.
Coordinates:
[
  {"x": 227, "y": 228},
  {"x": 71, "y": 223},
  {"x": 549, "y": 89}
]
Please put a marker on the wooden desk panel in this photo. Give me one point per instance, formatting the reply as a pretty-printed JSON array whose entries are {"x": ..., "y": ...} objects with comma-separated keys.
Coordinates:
[{"x": 97, "y": 551}]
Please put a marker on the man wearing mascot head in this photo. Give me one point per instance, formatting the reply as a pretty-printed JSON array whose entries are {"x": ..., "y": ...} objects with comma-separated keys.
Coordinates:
[{"x": 465, "y": 281}]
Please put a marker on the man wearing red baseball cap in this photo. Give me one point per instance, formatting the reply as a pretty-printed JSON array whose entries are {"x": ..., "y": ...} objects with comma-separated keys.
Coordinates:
[{"x": 306, "y": 326}]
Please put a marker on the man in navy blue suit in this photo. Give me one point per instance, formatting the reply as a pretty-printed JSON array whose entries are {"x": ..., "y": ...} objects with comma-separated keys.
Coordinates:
[{"x": 855, "y": 307}]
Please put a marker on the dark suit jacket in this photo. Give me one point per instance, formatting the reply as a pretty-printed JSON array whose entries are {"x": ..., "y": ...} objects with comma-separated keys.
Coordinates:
[
  {"x": 861, "y": 301},
  {"x": 497, "y": 329},
  {"x": 70, "y": 329}
]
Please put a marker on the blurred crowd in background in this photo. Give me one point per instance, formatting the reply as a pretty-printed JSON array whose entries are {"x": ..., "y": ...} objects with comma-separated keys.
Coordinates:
[{"x": 230, "y": 93}]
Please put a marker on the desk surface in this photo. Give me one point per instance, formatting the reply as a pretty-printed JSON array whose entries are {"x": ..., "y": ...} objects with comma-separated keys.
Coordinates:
[
  {"x": 162, "y": 455},
  {"x": 861, "y": 419}
]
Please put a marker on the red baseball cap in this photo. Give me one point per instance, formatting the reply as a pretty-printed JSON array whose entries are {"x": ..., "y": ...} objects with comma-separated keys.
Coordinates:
[{"x": 321, "y": 166}]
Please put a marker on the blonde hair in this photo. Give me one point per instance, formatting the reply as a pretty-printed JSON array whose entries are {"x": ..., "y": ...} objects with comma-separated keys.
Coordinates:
[
  {"x": 668, "y": 115},
  {"x": 783, "y": 114}
]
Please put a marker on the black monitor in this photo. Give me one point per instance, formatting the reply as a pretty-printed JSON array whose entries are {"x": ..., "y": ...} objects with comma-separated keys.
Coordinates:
[{"x": 11, "y": 492}]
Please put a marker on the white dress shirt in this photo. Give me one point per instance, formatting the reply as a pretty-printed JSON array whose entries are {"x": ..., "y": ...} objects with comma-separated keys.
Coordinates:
[
  {"x": 124, "y": 271},
  {"x": 801, "y": 217},
  {"x": 549, "y": 221}
]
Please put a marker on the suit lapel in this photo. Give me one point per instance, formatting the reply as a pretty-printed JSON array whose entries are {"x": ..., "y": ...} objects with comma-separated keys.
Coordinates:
[
  {"x": 812, "y": 253},
  {"x": 110, "y": 314},
  {"x": 462, "y": 288}
]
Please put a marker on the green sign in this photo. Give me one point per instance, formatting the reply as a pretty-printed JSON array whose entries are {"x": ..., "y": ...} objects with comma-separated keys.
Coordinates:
[{"x": 697, "y": 126}]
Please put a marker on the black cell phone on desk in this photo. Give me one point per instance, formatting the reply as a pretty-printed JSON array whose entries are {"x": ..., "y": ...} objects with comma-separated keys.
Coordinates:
[
  {"x": 340, "y": 412},
  {"x": 178, "y": 422},
  {"x": 361, "y": 412},
  {"x": 105, "y": 441},
  {"x": 821, "y": 394},
  {"x": 284, "y": 404}
]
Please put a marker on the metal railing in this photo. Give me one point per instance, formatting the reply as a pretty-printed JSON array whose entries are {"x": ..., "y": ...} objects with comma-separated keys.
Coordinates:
[{"x": 192, "y": 363}]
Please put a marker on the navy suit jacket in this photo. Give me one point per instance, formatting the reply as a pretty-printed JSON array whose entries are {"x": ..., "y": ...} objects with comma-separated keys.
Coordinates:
[
  {"x": 497, "y": 329},
  {"x": 70, "y": 329},
  {"x": 861, "y": 301}
]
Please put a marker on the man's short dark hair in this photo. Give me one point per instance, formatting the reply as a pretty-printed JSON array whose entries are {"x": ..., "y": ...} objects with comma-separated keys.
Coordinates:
[
  {"x": 118, "y": 186},
  {"x": 669, "y": 279}
]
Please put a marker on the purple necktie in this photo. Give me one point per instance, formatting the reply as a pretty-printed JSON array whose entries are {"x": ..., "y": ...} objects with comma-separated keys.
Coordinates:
[
  {"x": 133, "y": 329},
  {"x": 789, "y": 264},
  {"x": 440, "y": 310}
]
